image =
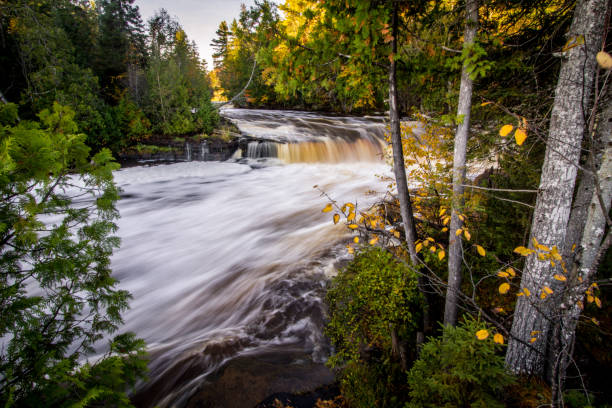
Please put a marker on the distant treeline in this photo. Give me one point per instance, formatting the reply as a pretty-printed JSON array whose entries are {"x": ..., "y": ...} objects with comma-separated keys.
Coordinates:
[{"x": 124, "y": 79}]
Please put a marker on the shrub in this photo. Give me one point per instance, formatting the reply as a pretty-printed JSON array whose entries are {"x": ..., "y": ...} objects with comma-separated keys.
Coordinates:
[
  {"x": 373, "y": 296},
  {"x": 458, "y": 370}
]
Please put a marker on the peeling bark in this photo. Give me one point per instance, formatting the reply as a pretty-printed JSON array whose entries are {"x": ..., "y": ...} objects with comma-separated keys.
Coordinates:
[{"x": 557, "y": 182}]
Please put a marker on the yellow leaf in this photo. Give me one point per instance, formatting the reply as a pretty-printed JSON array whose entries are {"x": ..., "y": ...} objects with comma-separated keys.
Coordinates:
[
  {"x": 446, "y": 220},
  {"x": 595, "y": 321},
  {"x": 396, "y": 234},
  {"x": 598, "y": 302},
  {"x": 521, "y": 250},
  {"x": 499, "y": 310},
  {"x": 442, "y": 211},
  {"x": 555, "y": 253},
  {"x": 543, "y": 248},
  {"x": 350, "y": 205},
  {"x": 573, "y": 42},
  {"x": 327, "y": 208},
  {"x": 604, "y": 60},
  {"x": 441, "y": 255},
  {"x": 502, "y": 274},
  {"x": 511, "y": 272},
  {"x": 444, "y": 229},
  {"x": 533, "y": 333},
  {"x": 432, "y": 248},
  {"x": 519, "y": 136},
  {"x": 467, "y": 234},
  {"x": 547, "y": 290},
  {"x": 504, "y": 288},
  {"x": 356, "y": 240},
  {"x": 505, "y": 130},
  {"x": 560, "y": 278},
  {"x": 458, "y": 232},
  {"x": 485, "y": 103},
  {"x": 594, "y": 285},
  {"x": 573, "y": 247},
  {"x": 351, "y": 216},
  {"x": 526, "y": 292},
  {"x": 350, "y": 249},
  {"x": 533, "y": 340},
  {"x": 590, "y": 299},
  {"x": 498, "y": 338},
  {"x": 580, "y": 304},
  {"x": 353, "y": 226},
  {"x": 336, "y": 218},
  {"x": 481, "y": 250},
  {"x": 482, "y": 334},
  {"x": 374, "y": 240},
  {"x": 461, "y": 217},
  {"x": 418, "y": 247}
]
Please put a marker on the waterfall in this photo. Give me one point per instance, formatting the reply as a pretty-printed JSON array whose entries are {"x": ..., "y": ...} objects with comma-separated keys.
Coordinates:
[
  {"x": 302, "y": 137},
  {"x": 187, "y": 151},
  {"x": 325, "y": 150},
  {"x": 204, "y": 151}
]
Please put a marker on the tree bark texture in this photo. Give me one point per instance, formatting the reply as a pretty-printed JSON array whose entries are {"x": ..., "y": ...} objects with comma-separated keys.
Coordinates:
[
  {"x": 455, "y": 249},
  {"x": 533, "y": 316},
  {"x": 592, "y": 244},
  {"x": 398, "y": 154}
]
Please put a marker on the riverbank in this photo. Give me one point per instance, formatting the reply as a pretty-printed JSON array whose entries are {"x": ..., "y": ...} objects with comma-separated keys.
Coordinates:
[{"x": 218, "y": 146}]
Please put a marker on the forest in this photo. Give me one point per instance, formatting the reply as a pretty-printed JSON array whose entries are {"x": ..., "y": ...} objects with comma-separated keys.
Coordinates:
[{"x": 480, "y": 277}]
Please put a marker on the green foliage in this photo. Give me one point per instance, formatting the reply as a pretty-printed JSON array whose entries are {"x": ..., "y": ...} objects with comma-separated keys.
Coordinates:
[
  {"x": 577, "y": 399},
  {"x": 457, "y": 369},
  {"x": 238, "y": 46},
  {"x": 178, "y": 97},
  {"x": 94, "y": 59},
  {"x": 373, "y": 296},
  {"x": 57, "y": 295}
]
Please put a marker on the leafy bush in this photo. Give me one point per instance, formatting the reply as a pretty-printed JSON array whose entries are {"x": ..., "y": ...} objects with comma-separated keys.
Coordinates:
[
  {"x": 458, "y": 370},
  {"x": 372, "y": 297}
]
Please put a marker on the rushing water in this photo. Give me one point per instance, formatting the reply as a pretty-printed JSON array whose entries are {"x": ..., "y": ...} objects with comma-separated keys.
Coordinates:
[{"x": 225, "y": 259}]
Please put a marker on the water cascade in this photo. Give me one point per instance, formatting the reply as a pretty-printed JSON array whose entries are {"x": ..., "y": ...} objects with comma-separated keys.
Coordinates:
[
  {"x": 227, "y": 262},
  {"x": 204, "y": 151},
  {"x": 187, "y": 151}
]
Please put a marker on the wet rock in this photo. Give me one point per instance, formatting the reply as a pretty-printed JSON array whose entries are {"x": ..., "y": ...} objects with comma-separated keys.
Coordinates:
[{"x": 246, "y": 381}]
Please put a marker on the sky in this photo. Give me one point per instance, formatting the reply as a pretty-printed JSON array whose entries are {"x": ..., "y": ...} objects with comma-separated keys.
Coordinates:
[{"x": 199, "y": 18}]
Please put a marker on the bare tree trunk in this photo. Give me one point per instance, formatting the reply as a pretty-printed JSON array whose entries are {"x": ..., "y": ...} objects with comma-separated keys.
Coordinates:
[
  {"x": 532, "y": 316},
  {"x": 398, "y": 153},
  {"x": 463, "y": 113},
  {"x": 593, "y": 244},
  {"x": 399, "y": 171}
]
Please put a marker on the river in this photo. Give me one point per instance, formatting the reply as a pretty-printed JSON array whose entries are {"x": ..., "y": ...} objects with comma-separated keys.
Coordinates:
[{"x": 230, "y": 259}]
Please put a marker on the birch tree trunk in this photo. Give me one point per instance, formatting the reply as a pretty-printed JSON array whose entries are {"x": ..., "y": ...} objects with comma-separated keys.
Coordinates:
[
  {"x": 455, "y": 248},
  {"x": 533, "y": 316},
  {"x": 590, "y": 248}
]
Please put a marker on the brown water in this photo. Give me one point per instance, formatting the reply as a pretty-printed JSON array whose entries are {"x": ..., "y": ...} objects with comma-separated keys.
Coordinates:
[{"x": 229, "y": 260}]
